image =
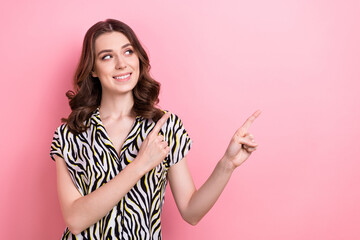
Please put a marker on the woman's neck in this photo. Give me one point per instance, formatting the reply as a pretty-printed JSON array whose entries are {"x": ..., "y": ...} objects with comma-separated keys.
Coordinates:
[{"x": 117, "y": 106}]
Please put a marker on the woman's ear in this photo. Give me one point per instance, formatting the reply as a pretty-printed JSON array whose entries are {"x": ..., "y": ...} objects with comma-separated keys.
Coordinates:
[{"x": 93, "y": 74}]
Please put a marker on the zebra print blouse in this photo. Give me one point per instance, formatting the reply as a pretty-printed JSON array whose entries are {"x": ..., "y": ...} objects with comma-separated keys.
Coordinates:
[{"x": 92, "y": 161}]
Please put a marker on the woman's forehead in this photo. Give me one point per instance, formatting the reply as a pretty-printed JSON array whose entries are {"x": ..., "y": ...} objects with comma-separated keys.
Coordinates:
[{"x": 111, "y": 40}]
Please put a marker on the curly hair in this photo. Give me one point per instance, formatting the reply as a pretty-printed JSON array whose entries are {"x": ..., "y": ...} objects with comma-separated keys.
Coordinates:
[{"x": 87, "y": 92}]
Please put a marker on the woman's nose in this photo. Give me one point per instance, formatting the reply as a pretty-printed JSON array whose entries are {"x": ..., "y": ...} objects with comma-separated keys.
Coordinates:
[{"x": 120, "y": 63}]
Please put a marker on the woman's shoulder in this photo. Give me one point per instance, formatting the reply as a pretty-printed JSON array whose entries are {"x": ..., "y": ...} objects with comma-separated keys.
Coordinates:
[
  {"x": 174, "y": 121},
  {"x": 61, "y": 130},
  {"x": 173, "y": 117},
  {"x": 93, "y": 120}
]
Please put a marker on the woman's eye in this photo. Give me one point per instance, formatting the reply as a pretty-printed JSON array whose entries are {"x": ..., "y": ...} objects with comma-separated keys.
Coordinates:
[
  {"x": 106, "y": 57},
  {"x": 129, "y": 52}
]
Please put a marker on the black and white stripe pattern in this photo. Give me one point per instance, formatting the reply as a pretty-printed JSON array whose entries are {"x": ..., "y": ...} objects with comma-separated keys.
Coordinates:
[{"x": 92, "y": 161}]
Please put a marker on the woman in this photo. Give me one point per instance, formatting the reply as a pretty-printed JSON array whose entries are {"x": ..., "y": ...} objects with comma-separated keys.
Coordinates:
[{"x": 112, "y": 170}]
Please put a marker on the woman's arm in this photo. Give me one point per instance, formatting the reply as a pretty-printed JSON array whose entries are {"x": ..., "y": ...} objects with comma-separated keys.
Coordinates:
[
  {"x": 79, "y": 211},
  {"x": 194, "y": 204}
]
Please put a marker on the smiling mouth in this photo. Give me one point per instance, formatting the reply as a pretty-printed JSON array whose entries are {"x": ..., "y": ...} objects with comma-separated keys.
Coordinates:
[{"x": 123, "y": 77}]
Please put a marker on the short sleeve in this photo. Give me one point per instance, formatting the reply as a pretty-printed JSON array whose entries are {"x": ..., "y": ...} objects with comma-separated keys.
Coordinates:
[
  {"x": 177, "y": 138},
  {"x": 56, "y": 148}
]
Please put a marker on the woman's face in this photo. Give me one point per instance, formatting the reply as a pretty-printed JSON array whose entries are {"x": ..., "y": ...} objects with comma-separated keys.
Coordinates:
[{"x": 116, "y": 63}]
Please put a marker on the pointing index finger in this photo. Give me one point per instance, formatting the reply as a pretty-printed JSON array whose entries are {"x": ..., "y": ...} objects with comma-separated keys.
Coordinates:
[
  {"x": 160, "y": 123},
  {"x": 244, "y": 128}
]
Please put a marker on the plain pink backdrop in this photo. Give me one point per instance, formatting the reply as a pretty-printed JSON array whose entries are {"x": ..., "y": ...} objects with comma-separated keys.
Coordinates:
[{"x": 218, "y": 61}]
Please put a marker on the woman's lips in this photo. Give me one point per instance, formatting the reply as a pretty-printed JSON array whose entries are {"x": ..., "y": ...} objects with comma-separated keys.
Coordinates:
[{"x": 122, "y": 77}]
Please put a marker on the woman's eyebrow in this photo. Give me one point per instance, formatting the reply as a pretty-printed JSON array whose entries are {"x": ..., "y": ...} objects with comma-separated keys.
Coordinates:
[
  {"x": 104, "y": 51},
  {"x": 109, "y": 50},
  {"x": 126, "y": 45}
]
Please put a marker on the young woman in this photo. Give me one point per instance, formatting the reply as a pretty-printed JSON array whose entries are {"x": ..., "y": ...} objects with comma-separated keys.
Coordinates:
[{"x": 116, "y": 151}]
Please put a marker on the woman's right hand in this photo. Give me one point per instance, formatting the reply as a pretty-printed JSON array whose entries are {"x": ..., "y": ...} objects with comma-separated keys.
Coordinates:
[{"x": 154, "y": 149}]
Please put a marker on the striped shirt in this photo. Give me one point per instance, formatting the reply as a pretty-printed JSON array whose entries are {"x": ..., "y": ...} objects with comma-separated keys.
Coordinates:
[{"x": 93, "y": 161}]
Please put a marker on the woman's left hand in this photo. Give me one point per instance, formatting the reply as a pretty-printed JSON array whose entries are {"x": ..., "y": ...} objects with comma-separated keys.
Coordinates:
[{"x": 242, "y": 143}]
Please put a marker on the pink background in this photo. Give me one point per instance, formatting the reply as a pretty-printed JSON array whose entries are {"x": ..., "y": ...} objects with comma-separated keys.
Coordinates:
[{"x": 218, "y": 61}]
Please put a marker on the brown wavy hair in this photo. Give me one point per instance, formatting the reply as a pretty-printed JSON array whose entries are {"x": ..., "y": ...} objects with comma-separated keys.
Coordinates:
[{"x": 87, "y": 92}]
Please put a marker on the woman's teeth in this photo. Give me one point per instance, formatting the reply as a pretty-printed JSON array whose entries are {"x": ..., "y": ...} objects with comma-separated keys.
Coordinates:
[{"x": 123, "y": 77}]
